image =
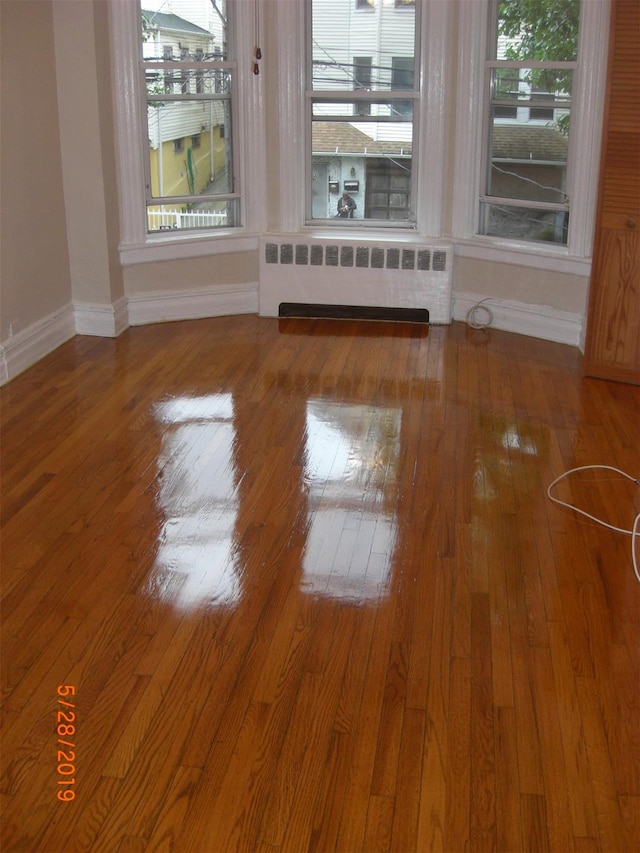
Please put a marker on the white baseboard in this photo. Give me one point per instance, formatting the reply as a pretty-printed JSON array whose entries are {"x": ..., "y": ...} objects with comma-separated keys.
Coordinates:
[
  {"x": 159, "y": 307},
  {"x": 25, "y": 348},
  {"x": 538, "y": 321},
  {"x": 38, "y": 340},
  {"x": 107, "y": 321}
]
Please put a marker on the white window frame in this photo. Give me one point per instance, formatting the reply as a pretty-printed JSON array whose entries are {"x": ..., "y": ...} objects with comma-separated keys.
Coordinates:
[
  {"x": 430, "y": 125},
  {"x": 347, "y": 96},
  {"x": 137, "y": 245},
  {"x": 584, "y": 159}
]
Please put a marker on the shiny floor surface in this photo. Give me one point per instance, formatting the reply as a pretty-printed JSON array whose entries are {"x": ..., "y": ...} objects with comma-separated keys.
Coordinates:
[{"x": 297, "y": 585}]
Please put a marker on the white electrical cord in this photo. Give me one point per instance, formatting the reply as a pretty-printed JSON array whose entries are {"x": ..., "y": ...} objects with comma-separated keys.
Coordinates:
[
  {"x": 634, "y": 532},
  {"x": 474, "y": 319}
]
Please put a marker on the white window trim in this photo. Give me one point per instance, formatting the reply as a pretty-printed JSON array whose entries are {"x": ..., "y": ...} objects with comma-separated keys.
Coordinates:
[
  {"x": 432, "y": 155},
  {"x": 137, "y": 246},
  {"x": 290, "y": 18},
  {"x": 430, "y": 126},
  {"x": 584, "y": 162}
]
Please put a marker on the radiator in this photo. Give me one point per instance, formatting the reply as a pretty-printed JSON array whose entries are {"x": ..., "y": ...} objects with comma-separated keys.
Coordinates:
[{"x": 367, "y": 273}]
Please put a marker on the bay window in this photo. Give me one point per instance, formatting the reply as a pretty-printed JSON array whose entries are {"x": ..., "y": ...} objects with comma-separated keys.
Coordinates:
[{"x": 477, "y": 120}]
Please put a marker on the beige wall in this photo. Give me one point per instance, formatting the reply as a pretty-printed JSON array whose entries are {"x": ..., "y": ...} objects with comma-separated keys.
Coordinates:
[
  {"x": 88, "y": 149},
  {"x": 60, "y": 227},
  {"x": 192, "y": 274},
  {"x": 561, "y": 291},
  {"x": 34, "y": 269}
]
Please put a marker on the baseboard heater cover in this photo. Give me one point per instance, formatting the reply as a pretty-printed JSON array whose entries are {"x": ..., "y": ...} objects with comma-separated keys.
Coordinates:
[
  {"x": 317, "y": 311},
  {"x": 368, "y": 272}
]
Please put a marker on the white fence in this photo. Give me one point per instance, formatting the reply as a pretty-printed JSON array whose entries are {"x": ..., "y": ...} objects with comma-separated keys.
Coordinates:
[{"x": 174, "y": 220}]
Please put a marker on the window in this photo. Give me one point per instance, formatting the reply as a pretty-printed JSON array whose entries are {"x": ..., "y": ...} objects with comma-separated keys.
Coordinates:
[
  {"x": 402, "y": 78},
  {"x": 507, "y": 85},
  {"x": 542, "y": 113},
  {"x": 390, "y": 192},
  {"x": 362, "y": 80},
  {"x": 170, "y": 207},
  {"x": 189, "y": 76},
  {"x": 529, "y": 74},
  {"x": 363, "y": 108}
]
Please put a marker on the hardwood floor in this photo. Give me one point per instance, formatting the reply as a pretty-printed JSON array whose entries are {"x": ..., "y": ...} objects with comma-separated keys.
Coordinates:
[{"x": 300, "y": 586}]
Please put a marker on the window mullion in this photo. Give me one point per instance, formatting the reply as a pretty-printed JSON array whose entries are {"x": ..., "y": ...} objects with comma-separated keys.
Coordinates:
[
  {"x": 584, "y": 146},
  {"x": 125, "y": 32}
]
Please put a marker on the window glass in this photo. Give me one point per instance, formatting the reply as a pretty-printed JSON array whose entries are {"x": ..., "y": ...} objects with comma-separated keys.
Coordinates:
[
  {"x": 546, "y": 30},
  {"x": 532, "y": 58},
  {"x": 362, "y": 105},
  {"x": 524, "y": 223},
  {"x": 189, "y": 79},
  {"x": 362, "y": 80}
]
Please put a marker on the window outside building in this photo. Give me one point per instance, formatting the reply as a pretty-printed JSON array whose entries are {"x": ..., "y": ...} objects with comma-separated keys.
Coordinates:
[
  {"x": 532, "y": 59},
  {"x": 188, "y": 80},
  {"x": 363, "y": 105}
]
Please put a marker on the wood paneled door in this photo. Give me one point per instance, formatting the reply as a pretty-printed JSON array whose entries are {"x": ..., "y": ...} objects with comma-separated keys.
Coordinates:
[{"x": 613, "y": 329}]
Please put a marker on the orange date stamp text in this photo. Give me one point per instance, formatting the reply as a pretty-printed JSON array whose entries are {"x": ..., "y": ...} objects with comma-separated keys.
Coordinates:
[{"x": 66, "y": 752}]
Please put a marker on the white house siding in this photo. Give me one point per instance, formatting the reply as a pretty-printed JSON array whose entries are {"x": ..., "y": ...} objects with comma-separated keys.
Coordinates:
[
  {"x": 331, "y": 28},
  {"x": 398, "y": 34},
  {"x": 154, "y": 48},
  {"x": 198, "y": 12},
  {"x": 185, "y": 119},
  {"x": 343, "y": 32}
]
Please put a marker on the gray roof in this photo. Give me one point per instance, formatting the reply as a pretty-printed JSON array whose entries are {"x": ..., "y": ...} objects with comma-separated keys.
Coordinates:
[
  {"x": 340, "y": 138},
  {"x": 173, "y": 22},
  {"x": 527, "y": 142},
  {"x": 510, "y": 142}
]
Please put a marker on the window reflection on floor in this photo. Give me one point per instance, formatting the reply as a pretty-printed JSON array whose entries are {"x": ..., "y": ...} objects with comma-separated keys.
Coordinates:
[
  {"x": 196, "y": 563},
  {"x": 351, "y": 466}
]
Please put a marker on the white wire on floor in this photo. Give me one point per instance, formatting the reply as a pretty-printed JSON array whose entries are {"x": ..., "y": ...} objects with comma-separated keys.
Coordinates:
[
  {"x": 480, "y": 316},
  {"x": 634, "y": 532}
]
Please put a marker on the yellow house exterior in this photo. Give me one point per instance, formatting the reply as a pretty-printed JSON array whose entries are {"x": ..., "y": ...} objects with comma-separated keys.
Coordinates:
[{"x": 179, "y": 161}]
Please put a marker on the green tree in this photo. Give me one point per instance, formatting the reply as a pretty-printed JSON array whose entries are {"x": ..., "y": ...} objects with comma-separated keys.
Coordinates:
[{"x": 542, "y": 30}]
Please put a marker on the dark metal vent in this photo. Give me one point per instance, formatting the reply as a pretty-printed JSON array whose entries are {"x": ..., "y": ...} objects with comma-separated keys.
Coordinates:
[
  {"x": 363, "y": 257},
  {"x": 316, "y": 311}
]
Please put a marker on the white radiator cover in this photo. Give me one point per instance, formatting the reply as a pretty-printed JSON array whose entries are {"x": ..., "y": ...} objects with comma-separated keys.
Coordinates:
[{"x": 363, "y": 272}]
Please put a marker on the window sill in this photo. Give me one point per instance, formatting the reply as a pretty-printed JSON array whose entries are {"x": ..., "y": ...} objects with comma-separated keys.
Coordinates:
[
  {"x": 187, "y": 246},
  {"x": 536, "y": 255},
  {"x": 352, "y": 231}
]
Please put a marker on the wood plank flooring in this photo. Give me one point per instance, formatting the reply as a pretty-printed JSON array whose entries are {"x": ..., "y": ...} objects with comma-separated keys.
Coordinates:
[{"x": 301, "y": 588}]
